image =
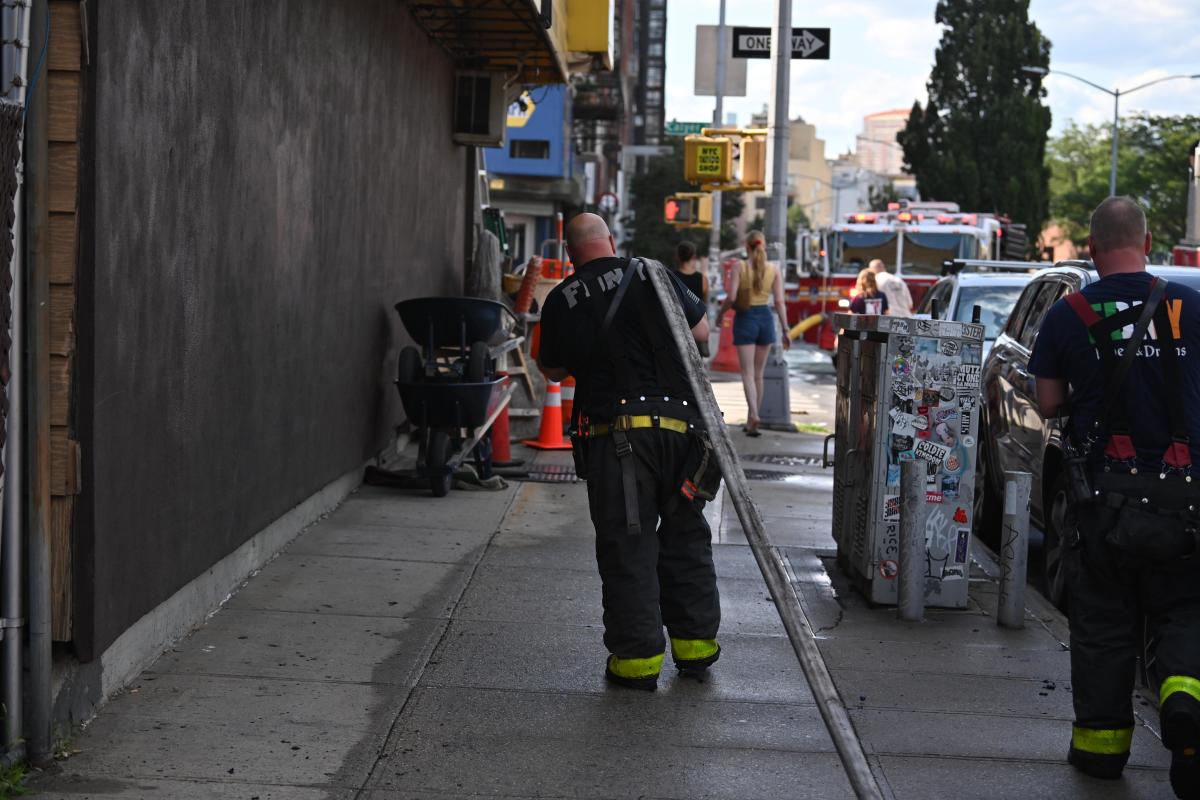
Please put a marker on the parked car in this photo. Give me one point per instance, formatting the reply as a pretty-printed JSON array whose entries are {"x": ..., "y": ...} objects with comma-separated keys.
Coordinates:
[
  {"x": 994, "y": 291},
  {"x": 1012, "y": 432}
]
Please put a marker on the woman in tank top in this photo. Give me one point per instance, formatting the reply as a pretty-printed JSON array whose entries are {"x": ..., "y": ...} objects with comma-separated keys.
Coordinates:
[
  {"x": 693, "y": 278},
  {"x": 754, "y": 326}
]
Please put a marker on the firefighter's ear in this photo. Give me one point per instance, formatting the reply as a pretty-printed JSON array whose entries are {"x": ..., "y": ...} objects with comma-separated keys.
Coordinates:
[
  {"x": 613, "y": 244},
  {"x": 1149, "y": 241}
]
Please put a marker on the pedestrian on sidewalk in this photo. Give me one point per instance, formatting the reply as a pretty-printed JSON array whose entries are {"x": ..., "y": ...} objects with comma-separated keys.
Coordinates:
[
  {"x": 754, "y": 286},
  {"x": 639, "y": 444},
  {"x": 896, "y": 291},
  {"x": 687, "y": 268},
  {"x": 1134, "y": 399},
  {"x": 867, "y": 298}
]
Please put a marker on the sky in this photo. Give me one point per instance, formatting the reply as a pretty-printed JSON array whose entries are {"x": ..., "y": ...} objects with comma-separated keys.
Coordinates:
[{"x": 882, "y": 50}]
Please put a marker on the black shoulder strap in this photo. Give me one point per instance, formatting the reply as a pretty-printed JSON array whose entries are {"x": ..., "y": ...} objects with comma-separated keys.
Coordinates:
[
  {"x": 626, "y": 279},
  {"x": 1116, "y": 380}
]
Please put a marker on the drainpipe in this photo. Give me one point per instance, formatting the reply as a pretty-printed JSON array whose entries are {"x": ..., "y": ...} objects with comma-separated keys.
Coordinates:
[
  {"x": 14, "y": 31},
  {"x": 37, "y": 393}
]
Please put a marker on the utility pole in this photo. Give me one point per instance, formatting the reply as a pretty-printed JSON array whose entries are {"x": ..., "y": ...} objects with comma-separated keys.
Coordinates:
[
  {"x": 779, "y": 133},
  {"x": 714, "y": 241}
]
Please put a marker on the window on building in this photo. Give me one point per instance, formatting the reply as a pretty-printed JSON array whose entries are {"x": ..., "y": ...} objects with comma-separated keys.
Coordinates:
[
  {"x": 654, "y": 75},
  {"x": 655, "y": 49},
  {"x": 529, "y": 148}
]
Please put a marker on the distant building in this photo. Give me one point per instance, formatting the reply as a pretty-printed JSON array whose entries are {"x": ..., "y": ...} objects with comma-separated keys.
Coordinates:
[
  {"x": 810, "y": 176},
  {"x": 877, "y": 148},
  {"x": 853, "y": 186}
]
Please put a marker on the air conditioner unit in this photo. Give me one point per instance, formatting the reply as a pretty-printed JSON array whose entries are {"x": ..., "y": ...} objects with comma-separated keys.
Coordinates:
[{"x": 480, "y": 108}]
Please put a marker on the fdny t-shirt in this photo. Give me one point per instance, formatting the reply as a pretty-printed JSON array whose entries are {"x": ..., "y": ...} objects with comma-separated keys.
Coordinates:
[
  {"x": 1064, "y": 350},
  {"x": 570, "y": 334}
]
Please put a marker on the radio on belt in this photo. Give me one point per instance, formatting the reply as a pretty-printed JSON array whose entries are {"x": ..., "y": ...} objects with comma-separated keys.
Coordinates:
[{"x": 908, "y": 389}]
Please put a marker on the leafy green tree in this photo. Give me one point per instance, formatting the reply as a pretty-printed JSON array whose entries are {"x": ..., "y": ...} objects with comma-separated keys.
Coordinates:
[
  {"x": 980, "y": 141},
  {"x": 1151, "y": 167},
  {"x": 663, "y": 177}
]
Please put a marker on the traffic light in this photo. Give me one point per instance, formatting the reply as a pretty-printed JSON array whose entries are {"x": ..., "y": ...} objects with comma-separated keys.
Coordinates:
[
  {"x": 726, "y": 159},
  {"x": 688, "y": 210},
  {"x": 754, "y": 162}
]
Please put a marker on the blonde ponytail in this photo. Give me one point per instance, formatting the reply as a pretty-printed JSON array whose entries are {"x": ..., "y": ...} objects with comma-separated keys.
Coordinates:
[{"x": 757, "y": 245}]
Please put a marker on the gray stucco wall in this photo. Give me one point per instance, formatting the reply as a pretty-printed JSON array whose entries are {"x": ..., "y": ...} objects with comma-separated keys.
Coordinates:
[{"x": 270, "y": 178}]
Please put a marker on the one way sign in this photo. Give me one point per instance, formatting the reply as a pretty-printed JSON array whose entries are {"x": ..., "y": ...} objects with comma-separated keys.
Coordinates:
[{"x": 809, "y": 43}]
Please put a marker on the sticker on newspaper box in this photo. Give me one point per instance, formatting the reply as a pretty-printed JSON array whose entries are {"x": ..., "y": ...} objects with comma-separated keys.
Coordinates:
[
  {"x": 891, "y": 507},
  {"x": 931, "y": 451},
  {"x": 950, "y": 347},
  {"x": 960, "y": 551},
  {"x": 967, "y": 377},
  {"x": 952, "y": 573}
]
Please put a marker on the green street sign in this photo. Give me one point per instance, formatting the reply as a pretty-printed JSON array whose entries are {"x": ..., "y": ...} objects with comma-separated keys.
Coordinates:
[{"x": 676, "y": 128}]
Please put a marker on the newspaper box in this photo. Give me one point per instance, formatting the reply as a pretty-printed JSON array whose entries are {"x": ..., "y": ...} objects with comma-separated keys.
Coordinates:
[{"x": 907, "y": 389}]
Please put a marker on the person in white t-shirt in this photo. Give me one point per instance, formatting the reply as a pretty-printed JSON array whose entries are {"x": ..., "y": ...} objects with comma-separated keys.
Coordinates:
[{"x": 900, "y": 303}]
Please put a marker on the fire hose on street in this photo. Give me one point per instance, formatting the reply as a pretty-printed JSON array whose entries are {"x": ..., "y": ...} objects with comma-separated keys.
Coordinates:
[{"x": 795, "y": 623}]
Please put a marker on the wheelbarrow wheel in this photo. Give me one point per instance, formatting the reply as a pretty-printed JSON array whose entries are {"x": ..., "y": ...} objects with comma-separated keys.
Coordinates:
[
  {"x": 435, "y": 463},
  {"x": 409, "y": 368},
  {"x": 477, "y": 362}
]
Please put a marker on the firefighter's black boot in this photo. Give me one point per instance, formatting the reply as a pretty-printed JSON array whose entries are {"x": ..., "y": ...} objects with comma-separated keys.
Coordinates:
[
  {"x": 1100, "y": 753},
  {"x": 694, "y": 655},
  {"x": 634, "y": 673},
  {"x": 1181, "y": 735}
]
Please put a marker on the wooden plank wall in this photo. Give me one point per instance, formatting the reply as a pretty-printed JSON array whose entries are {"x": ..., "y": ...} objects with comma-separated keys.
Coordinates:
[{"x": 64, "y": 63}]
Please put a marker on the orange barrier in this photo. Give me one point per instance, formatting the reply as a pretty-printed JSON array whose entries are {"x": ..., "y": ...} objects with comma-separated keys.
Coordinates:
[
  {"x": 550, "y": 435},
  {"x": 726, "y": 359},
  {"x": 501, "y": 444}
]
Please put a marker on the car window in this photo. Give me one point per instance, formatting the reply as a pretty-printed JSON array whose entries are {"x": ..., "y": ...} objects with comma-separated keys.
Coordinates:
[
  {"x": 995, "y": 305},
  {"x": 1020, "y": 313},
  {"x": 1047, "y": 294},
  {"x": 939, "y": 293}
]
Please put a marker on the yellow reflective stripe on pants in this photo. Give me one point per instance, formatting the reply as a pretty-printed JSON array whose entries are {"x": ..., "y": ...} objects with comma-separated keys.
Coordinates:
[
  {"x": 1179, "y": 683},
  {"x": 635, "y": 667},
  {"x": 693, "y": 649},
  {"x": 1107, "y": 743}
]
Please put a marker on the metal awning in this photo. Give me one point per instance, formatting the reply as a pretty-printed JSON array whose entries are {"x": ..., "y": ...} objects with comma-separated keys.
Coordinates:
[{"x": 496, "y": 36}]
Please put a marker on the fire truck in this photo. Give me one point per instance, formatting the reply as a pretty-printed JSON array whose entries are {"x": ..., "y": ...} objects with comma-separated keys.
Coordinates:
[{"x": 913, "y": 238}]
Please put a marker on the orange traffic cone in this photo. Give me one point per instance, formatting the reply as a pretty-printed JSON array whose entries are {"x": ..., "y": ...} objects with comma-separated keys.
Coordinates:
[
  {"x": 568, "y": 400},
  {"x": 550, "y": 436}
]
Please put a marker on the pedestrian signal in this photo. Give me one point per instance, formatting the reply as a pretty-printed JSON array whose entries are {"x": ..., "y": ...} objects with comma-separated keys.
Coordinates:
[{"x": 688, "y": 210}]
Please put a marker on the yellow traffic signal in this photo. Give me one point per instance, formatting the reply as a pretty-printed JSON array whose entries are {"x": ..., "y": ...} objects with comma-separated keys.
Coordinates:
[
  {"x": 754, "y": 162},
  {"x": 707, "y": 159},
  {"x": 688, "y": 210}
]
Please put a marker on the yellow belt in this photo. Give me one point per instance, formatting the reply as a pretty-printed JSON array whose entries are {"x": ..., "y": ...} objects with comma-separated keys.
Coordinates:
[{"x": 629, "y": 422}]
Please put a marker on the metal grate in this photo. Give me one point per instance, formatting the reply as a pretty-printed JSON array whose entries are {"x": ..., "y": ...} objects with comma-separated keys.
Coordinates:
[
  {"x": 783, "y": 459},
  {"x": 552, "y": 473}
]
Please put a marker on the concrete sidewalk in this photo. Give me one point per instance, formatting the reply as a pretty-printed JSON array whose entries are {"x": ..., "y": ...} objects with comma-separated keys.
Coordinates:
[{"x": 408, "y": 647}]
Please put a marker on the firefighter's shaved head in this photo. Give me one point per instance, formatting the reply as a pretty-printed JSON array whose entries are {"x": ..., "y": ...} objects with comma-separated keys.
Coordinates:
[
  {"x": 1117, "y": 224},
  {"x": 588, "y": 238}
]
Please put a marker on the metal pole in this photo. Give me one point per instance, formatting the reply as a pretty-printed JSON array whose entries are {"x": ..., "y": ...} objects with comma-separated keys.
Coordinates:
[
  {"x": 1014, "y": 550},
  {"x": 779, "y": 132},
  {"x": 795, "y": 623},
  {"x": 15, "y": 32},
  {"x": 1112, "y": 174},
  {"x": 37, "y": 270},
  {"x": 714, "y": 238},
  {"x": 911, "y": 580},
  {"x": 558, "y": 231}
]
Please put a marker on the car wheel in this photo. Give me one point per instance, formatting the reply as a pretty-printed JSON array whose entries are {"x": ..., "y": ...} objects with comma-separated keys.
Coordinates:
[
  {"x": 1053, "y": 550},
  {"x": 986, "y": 507}
]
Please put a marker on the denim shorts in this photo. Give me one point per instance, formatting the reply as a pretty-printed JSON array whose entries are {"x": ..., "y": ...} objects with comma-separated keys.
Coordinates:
[{"x": 755, "y": 325}]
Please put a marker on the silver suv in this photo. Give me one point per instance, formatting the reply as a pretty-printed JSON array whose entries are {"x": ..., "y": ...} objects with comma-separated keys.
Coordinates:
[{"x": 1013, "y": 435}]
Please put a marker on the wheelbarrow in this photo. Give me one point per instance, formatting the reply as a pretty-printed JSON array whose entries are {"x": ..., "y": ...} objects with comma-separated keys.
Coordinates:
[{"x": 449, "y": 386}]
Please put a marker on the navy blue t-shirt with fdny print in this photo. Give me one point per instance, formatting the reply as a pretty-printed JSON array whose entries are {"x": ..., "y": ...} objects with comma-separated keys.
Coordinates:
[
  {"x": 570, "y": 333},
  {"x": 1064, "y": 350}
]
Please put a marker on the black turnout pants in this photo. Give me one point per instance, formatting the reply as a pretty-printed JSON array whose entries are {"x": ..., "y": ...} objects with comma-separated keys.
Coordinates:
[
  {"x": 1111, "y": 597},
  {"x": 665, "y": 574}
]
